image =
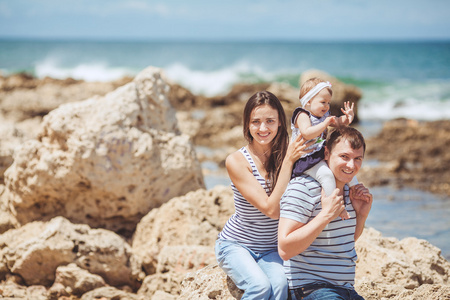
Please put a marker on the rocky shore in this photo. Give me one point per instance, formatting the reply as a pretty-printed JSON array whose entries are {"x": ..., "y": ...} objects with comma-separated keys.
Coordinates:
[{"x": 102, "y": 194}]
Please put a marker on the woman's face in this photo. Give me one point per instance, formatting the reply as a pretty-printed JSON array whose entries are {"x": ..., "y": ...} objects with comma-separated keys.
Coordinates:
[{"x": 264, "y": 124}]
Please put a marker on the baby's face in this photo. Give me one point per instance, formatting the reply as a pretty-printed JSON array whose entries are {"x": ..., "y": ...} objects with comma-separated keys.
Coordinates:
[{"x": 320, "y": 104}]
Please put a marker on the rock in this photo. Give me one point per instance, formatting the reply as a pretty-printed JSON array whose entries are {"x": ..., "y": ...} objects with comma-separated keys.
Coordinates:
[
  {"x": 37, "y": 249},
  {"x": 174, "y": 262},
  {"x": 12, "y": 135},
  {"x": 7, "y": 218},
  {"x": 168, "y": 283},
  {"x": 426, "y": 291},
  {"x": 411, "y": 153},
  {"x": 183, "y": 100},
  {"x": 182, "y": 259},
  {"x": 11, "y": 138},
  {"x": 386, "y": 268},
  {"x": 215, "y": 124},
  {"x": 160, "y": 295},
  {"x": 341, "y": 92},
  {"x": 209, "y": 283},
  {"x": 23, "y": 96},
  {"x": 12, "y": 290},
  {"x": 394, "y": 266},
  {"x": 105, "y": 162},
  {"x": 194, "y": 219},
  {"x": 109, "y": 293},
  {"x": 288, "y": 96},
  {"x": 72, "y": 280}
]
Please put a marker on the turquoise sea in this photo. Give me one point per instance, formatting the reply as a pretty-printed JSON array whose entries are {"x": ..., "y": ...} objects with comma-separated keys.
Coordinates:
[{"x": 398, "y": 79}]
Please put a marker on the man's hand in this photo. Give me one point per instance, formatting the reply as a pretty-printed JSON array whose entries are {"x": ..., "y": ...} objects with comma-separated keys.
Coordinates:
[
  {"x": 332, "y": 205},
  {"x": 331, "y": 121},
  {"x": 361, "y": 200}
]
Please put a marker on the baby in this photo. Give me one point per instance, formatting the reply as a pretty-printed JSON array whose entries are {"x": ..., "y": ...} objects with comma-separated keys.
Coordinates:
[{"x": 311, "y": 121}]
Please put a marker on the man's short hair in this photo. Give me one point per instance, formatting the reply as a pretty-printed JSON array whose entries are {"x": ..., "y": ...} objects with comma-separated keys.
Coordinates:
[{"x": 351, "y": 134}]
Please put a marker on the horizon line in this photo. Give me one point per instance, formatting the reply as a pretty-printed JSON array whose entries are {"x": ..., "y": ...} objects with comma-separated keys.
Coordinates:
[{"x": 221, "y": 40}]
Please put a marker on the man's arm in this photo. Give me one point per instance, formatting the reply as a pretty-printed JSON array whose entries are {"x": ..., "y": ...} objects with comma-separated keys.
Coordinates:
[
  {"x": 362, "y": 206},
  {"x": 294, "y": 237}
]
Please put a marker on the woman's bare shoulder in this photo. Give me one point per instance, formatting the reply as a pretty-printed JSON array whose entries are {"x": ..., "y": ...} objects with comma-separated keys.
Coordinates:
[{"x": 235, "y": 160}]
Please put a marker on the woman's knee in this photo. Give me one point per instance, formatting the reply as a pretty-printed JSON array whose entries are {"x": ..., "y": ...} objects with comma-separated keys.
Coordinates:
[
  {"x": 280, "y": 287},
  {"x": 259, "y": 289}
]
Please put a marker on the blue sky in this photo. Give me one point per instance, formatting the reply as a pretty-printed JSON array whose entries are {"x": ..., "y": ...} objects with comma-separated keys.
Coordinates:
[{"x": 227, "y": 20}]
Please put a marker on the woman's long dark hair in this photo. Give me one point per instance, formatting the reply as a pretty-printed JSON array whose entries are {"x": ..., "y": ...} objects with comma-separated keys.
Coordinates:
[{"x": 280, "y": 143}]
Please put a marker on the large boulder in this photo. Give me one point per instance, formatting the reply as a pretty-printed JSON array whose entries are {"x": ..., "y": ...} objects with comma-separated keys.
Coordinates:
[
  {"x": 209, "y": 283},
  {"x": 194, "y": 219},
  {"x": 388, "y": 267},
  {"x": 35, "y": 251},
  {"x": 24, "y": 96},
  {"x": 174, "y": 262},
  {"x": 341, "y": 92},
  {"x": 106, "y": 161}
]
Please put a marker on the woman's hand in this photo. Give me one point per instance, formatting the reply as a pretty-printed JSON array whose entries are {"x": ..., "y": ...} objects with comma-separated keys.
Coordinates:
[{"x": 297, "y": 148}]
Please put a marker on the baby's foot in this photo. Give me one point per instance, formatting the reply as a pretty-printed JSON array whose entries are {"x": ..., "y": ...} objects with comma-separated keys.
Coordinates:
[{"x": 344, "y": 215}]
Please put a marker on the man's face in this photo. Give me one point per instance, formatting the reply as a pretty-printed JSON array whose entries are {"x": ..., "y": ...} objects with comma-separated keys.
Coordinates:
[{"x": 344, "y": 161}]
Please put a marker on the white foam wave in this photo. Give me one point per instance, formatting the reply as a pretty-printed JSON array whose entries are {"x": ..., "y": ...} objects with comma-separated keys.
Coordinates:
[
  {"x": 98, "y": 71},
  {"x": 421, "y": 101},
  {"x": 214, "y": 82},
  {"x": 413, "y": 110}
]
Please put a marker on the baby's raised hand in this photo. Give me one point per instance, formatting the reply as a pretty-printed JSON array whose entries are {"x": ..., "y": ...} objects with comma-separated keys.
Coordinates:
[{"x": 348, "y": 111}]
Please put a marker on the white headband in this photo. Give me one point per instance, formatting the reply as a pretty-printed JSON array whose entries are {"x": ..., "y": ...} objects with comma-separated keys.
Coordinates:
[{"x": 313, "y": 92}]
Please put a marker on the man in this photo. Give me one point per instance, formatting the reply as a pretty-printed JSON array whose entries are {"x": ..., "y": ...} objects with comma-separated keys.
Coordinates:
[{"x": 317, "y": 246}]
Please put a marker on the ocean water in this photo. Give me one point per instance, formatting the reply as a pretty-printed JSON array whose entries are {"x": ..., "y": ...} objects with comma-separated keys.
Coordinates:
[
  {"x": 398, "y": 79},
  {"x": 403, "y": 79}
]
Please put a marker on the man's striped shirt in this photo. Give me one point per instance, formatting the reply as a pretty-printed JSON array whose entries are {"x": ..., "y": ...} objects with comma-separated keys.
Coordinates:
[{"x": 331, "y": 257}]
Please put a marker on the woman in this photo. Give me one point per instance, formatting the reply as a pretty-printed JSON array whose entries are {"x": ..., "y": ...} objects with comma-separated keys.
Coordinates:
[{"x": 246, "y": 249}]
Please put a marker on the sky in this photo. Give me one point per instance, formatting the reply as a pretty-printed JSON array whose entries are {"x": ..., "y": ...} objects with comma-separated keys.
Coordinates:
[{"x": 226, "y": 20}]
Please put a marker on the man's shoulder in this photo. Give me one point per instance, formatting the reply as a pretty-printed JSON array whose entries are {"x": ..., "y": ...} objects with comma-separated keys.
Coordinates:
[
  {"x": 302, "y": 195},
  {"x": 305, "y": 181},
  {"x": 303, "y": 185}
]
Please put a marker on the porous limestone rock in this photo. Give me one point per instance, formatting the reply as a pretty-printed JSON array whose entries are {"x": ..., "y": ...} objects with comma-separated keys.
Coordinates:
[
  {"x": 10, "y": 138},
  {"x": 106, "y": 161},
  {"x": 9, "y": 289},
  {"x": 160, "y": 295},
  {"x": 7, "y": 218},
  {"x": 35, "y": 251},
  {"x": 110, "y": 293},
  {"x": 209, "y": 283},
  {"x": 73, "y": 280},
  {"x": 386, "y": 269},
  {"x": 174, "y": 262},
  {"x": 193, "y": 219},
  {"x": 169, "y": 283},
  {"x": 24, "y": 96}
]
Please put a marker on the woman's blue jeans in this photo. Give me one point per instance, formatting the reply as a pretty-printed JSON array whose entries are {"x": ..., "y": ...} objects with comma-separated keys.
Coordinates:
[{"x": 259, "y": 275}]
